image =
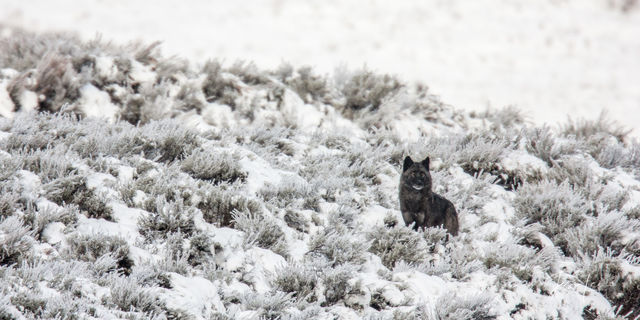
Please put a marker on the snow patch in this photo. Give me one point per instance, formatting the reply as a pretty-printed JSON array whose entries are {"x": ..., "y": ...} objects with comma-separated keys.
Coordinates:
[
  {"x": 53, "y": 233},
  {"x": 259, "y": 173},
  {"x": 96, "y": 103},
  {"x": 195, "y": 295},
  {"x": 90, "y": 226},
  {"x": 28, "y": 101},
  {"x": 7, "y": 107},
  {"x": 218, "y": 115},
  {"x": 260, "y": 264},
  {"x": 141, "y": 73},
  {"x": 426, "y": 288},
  {"x": 105, "y": 67},
  {"x": 374, "y": 217},
  {"x": 523, "y": 161}
]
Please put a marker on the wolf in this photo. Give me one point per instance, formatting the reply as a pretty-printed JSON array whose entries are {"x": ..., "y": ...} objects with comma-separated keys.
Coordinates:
[{"x": 419, "y": 205}]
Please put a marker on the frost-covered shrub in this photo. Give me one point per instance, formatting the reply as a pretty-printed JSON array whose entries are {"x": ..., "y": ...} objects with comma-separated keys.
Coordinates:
[
  {"x": 286, "y": 193},
  {"x": 262, "y": 231},
  {"x": 519, "y": 259},
  {"x": 365, "y": 89},
  {"x": 336, "y": 283},
  {"x": 176, "y": 253},
  {"x": 269, "y": 306},
  {"x": 15, "y": 240},
  {"x": 8, "y": 167},
  {"x": 309, "y": 86},
  {"x": 452, "y": 306},
  {"x": 296, "y": 220},
  {"x": 477, "y": 154},
  {"x": 575, "y": 171},
  {"x": 147, "y": 102},
  {"x": 603, "y": 271},
  {"x": 434, "y": 236},
  {"x": 167, "y": 217},
  {"x": 338, "y": 246},
  {"x": 201, "y": 249},
  {"x": 190, "y": 97},
  {"x": 12, "y": 200},
  {"x": 298, "y": 280},
  {"x": 92, "y": 247},
  {"x": 217, "y": 86},
  {"x": 31, "y": 303},
  {"x": 217, "y": 206},
  {"x": 73, "y": 190},
  {"x": 365, "y": 163},
  {"x": 206, "y": 165},
  {"x": 94, "y": 205},
  {"x": 163, "y": 140},
  {"x": 544, "y": 144},
  {"x": 38, "y": 217},
  {"x": 31, "y": 133},
  {"x": 607, "y": 230},
  {"x": 557, "y": 207},
  {"x": 329, "y": 176},
  {"x": 397, "y": 244},
  {"x": 150, "y": 275},
  {"x": 55, "y": 82},
  {"x": 49, "y": 164},
  {"x": 502, "y": 119},
  {"x": 585, "y": 129},
  {"x": 34, "y": 304},
  {"x": 166, "y": 181},
  {"x": 128, "y": 296},
  {"x": 249, "y": 73}
]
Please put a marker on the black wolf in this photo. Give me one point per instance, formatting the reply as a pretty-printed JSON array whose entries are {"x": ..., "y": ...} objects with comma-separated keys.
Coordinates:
[{"x": 419, "y": 204}]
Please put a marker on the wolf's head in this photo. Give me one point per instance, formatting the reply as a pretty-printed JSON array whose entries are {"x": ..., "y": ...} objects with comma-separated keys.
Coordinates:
[{"x": 415, "y": 175}]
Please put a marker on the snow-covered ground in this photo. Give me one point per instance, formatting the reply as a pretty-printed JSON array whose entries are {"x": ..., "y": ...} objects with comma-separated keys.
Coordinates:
[
  {"x": 552, "y": 58},
  {"x": 209, "y": 192}
]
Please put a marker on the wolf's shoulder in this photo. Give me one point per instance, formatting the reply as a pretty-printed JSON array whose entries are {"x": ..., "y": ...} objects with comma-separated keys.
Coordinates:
[{"x": 441, "y": 201}]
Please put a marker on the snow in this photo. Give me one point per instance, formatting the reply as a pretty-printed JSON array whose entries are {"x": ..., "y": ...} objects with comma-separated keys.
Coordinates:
[
  {"x": 259, "y": 172},
  {"x": 304, "y": 115},
  {"x": 105, "y": 67},
  {"x": 125, "y": 174},
  {"x": 424, "y": 287},
  {"x": 90, "y": 226},
  {"x": 218, "y": 115},
  {"x": 126, "y": 217},
  {"x": 249, "y": 270},
  {"x": 551, "y": 58},
  {"x": 141, "y": 73},
  {"x": 260, "y": 264},
  {"x": 374, "y": 217},
  {"x": 521, "y": 160},
  {"x": 29, "y": 181},
  {"x": 4, "y": 135},
  {"x": 53, "y": 233},
  {"x": 195, "y": 295},
  {"x": 6, "y": 104},
  {"x": 96, "y": 103},
  {"x": 28, "y": 101}
]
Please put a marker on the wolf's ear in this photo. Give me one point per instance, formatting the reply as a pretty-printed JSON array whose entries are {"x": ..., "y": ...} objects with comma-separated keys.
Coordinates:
[
  {"x": 407, "y": 163},
  {"x": 425, "y": 163}
]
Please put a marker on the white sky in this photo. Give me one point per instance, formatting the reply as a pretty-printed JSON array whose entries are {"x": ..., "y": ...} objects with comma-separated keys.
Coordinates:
[{"x": 553, "y": 58}]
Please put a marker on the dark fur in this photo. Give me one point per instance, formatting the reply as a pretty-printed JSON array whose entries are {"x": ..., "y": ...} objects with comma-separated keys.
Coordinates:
[{"x": 423, "y": 207}]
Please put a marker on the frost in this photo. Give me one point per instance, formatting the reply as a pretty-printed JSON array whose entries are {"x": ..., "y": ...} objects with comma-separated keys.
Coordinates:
[{"x": 228, "y": 192}]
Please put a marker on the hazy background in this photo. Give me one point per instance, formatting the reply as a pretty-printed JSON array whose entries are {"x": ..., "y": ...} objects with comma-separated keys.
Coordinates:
[{"x": 553, "y": 59}]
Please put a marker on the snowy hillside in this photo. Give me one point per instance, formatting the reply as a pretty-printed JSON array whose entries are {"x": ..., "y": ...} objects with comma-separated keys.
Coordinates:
[
  {"x": 136, "y": 186},
  {"x": 551, "y": 58}
]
